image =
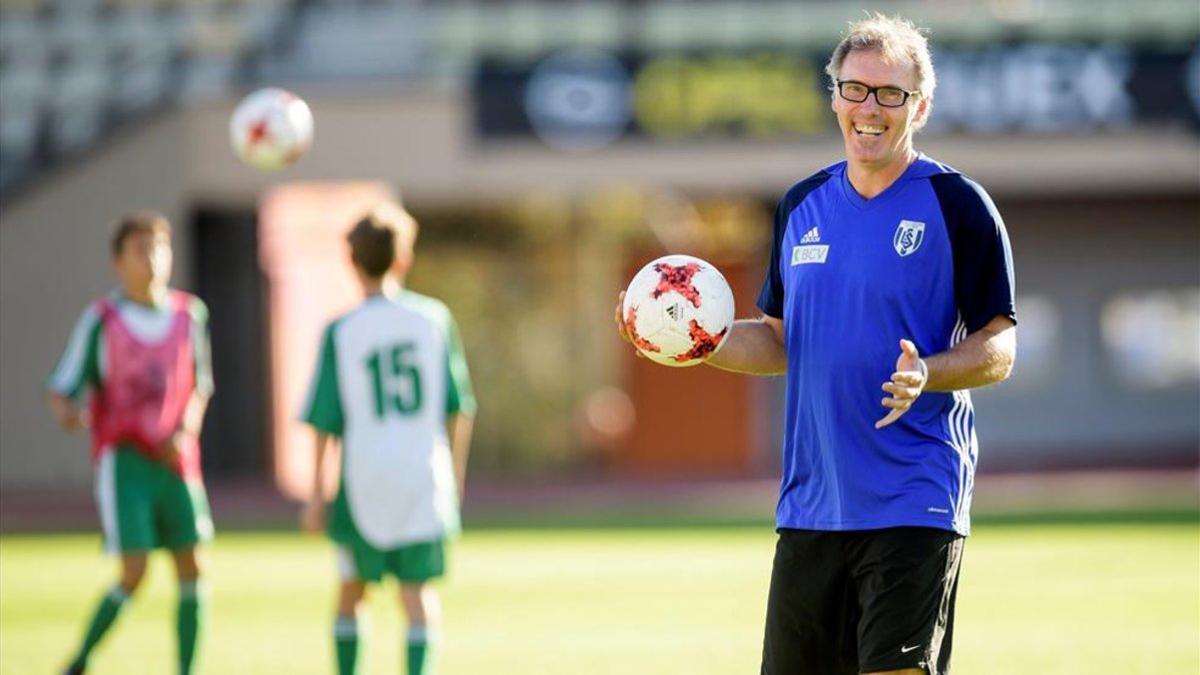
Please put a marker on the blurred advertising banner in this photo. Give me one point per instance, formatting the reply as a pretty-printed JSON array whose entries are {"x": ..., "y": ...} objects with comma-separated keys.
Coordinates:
[
  {"x": 585, "y": 100},
  {"x": 302, "y": 234}
]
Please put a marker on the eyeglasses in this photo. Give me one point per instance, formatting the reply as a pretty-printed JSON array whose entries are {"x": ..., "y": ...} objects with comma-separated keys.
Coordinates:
[{"x": 888, "y": 97}]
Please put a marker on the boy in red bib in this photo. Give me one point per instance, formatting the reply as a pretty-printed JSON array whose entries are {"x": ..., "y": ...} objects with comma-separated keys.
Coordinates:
[{"x": 143, "y": 353}]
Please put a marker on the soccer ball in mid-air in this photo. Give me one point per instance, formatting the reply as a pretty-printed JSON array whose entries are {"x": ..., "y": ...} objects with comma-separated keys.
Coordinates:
[
  {"x": 678, "y": 310},
  {"x": 271, "y": 128}
]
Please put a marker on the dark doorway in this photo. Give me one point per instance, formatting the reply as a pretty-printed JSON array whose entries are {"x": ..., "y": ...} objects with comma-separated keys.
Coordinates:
[{"x": 229, "y": 280}]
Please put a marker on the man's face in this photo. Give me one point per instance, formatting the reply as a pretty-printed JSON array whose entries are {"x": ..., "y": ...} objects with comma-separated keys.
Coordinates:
[
  {"x": 877, "y": 136},
  {"x": 145, "y": 260}
]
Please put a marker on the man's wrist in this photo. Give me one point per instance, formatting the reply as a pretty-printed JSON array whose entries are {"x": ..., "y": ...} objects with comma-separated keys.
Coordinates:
[{"x": 924, "y": 367}]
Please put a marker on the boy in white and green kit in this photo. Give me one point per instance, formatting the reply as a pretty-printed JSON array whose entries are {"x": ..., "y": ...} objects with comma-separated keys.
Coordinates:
[{"x": 391, "y": 382}]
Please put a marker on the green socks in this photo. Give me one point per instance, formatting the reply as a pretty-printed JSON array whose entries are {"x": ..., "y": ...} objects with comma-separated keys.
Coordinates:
[
  {"x": 345, "y": 636},
  {"x": 419, "y": 648},
  {"x": 189, "y": 618},
  {"x": 102, "y": 620}
]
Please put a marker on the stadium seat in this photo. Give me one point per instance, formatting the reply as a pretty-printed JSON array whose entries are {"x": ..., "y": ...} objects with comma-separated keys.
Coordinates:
[
  {"x": 77, "y": 107},
  {"x": 142, "y": 52},
  {"x": 261, "y": 19},
  {"x": 20, "y": 105},
  {"x": 22, "y": 39},
  {"x": 10, "y": 8},
  {"x": 75, "y": 39},
  {"x": 77, "y": 8}
]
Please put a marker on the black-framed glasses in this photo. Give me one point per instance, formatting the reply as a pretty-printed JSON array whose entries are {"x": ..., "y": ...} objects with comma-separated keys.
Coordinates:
[{"x": 888, "y": 97}]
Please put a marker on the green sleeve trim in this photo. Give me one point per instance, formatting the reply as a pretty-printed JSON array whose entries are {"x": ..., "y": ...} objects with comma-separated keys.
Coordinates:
[
  {"x": 460, "y": 397},
  {"x": 79, "y": 366},
  {"x": 198, "y": 310},
  {"x": 202, "y": 347},
  {"x": 324, "y": 409}
]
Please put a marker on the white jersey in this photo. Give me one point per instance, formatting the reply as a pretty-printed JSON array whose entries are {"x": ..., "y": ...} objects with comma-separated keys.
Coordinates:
[{"x": 389, "y": 374}]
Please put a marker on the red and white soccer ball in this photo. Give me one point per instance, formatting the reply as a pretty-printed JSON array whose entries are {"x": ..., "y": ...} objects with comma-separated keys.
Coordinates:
[
  {"x": 678, "y": 310},
  {"x": 271, "y": 128}
]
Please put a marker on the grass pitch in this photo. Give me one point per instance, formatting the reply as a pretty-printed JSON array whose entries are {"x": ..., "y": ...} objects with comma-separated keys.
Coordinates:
[{"x": 1048, "y": 599}]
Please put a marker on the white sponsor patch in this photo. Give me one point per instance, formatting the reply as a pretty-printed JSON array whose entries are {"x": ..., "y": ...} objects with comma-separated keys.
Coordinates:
[{"x": 813, "y": 253}]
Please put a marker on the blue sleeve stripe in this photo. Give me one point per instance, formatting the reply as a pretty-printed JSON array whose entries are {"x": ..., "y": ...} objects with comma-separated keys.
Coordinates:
[{"x": 770, "y": 298}]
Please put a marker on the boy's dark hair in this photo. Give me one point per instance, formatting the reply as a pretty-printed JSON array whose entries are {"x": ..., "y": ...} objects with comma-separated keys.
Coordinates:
[
  {"x": 137, "y": 222},
  {"x": 375, "y": 239}
]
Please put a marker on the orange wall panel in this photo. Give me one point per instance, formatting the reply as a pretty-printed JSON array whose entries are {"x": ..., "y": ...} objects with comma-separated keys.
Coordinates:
[
  {"x": 304, "y": 255},
  {"x": 698, "y": 421}
]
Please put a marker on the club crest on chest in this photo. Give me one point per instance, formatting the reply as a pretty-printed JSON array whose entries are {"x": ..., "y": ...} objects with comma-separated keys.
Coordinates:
[{"x": 908, "y": 237}]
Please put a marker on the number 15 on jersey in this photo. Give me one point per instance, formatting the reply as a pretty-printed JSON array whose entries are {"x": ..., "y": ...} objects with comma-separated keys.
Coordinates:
[{"x": 396, "y": 380}]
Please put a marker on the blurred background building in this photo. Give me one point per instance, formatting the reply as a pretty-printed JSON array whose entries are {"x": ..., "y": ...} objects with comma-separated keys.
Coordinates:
[{"x": 549, "y": 149}]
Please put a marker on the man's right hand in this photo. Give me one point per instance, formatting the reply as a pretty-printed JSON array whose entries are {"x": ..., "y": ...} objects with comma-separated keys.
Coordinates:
[{"x": 312, "y": 518}]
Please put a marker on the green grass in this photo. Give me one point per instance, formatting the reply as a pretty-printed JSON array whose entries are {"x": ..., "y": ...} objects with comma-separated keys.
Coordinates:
[{"x": 1047, "y": 599}]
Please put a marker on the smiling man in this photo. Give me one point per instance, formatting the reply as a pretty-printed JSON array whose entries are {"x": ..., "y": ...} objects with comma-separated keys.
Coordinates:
[
  {"x": 890, "y": 276},
  {"x": 877, "y": 260}
]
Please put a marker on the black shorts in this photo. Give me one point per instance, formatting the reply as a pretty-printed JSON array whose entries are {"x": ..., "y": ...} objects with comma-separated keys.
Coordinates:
[{"x": 860, "y": 602}]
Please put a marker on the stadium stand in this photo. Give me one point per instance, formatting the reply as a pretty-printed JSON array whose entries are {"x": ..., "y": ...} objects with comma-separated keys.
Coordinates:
[{"x": 74, "y": 71}]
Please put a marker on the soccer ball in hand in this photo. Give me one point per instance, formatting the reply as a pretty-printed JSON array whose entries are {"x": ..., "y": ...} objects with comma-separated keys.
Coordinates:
[
  {"x": 271, "y": 128},
  {"x": 678, "y": 310}
]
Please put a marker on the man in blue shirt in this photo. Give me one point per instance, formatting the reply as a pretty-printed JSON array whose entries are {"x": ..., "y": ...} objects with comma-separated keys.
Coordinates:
[{"x": 877, "y": 260}]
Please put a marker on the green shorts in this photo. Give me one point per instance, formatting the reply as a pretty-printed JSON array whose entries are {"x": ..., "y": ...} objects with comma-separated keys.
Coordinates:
[
  {"x": 411, "y": 563},
  {"x": 359, "y": 559},
  {"x": 144, "y": 505}
]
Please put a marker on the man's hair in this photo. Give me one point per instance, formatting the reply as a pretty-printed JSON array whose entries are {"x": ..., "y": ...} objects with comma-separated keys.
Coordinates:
[
  {"x": 377, "y": 238},
  {"x": 137, "y": 222},
  {"x": 896, "y": 39}
]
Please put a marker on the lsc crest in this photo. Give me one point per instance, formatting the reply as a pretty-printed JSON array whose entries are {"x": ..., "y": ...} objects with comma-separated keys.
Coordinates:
[{"x": 909, "y": 235}]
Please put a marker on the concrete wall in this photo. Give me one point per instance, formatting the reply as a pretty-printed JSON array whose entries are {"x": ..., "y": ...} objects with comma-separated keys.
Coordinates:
[
  {"x": 53, "y": 260},
  {"x": 1077, "y": 256}
]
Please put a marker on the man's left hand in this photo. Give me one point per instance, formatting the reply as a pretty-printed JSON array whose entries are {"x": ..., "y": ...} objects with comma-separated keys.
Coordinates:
[{"x": 906, "y": 384}]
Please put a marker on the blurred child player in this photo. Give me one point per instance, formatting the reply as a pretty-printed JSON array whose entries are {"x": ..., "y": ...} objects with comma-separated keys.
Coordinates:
[
  {"x": 391, "y": 382},
  {"x": 142, "y": 351}
]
